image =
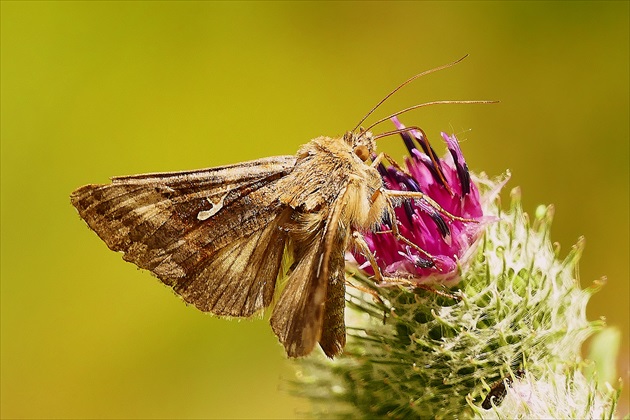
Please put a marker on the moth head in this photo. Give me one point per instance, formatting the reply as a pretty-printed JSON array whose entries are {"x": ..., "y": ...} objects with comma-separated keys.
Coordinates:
[{"x": 362, "y": 143}]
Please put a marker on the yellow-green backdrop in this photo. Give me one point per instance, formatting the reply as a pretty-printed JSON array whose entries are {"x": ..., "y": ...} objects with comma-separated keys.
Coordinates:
[{"x": 95, "y": 89}]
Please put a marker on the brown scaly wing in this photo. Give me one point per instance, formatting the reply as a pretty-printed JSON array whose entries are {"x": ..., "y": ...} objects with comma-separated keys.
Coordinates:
[
  {"x": 212, "y": 235},
  {"x": 311, "y": 307}
]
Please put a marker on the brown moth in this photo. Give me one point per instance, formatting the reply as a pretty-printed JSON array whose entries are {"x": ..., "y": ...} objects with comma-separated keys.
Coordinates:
[{"x": 222, "y": 237}]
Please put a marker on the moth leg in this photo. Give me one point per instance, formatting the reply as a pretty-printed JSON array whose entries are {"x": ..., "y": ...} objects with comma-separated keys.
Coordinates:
[
  {"x": 385, "y": 281},
  {"x": 377, "y": 160},
  {"x": 359, "y": 241},
  {"x": 413, "y": 195},
  {"x": 380, "y": 280},
  {"x": 394, "y": 230},
  {"x": 366, "y": 290},
  {"x": 439, "y": 292}
]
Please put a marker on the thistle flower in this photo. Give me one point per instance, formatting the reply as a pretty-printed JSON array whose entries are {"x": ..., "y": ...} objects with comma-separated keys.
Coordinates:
[
  {"x": 443, "y": 238},
  {"x": 416, "y": 354}
]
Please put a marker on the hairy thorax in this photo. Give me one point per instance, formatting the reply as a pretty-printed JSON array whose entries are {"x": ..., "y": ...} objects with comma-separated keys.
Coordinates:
[{"x": 328, "y": 172}]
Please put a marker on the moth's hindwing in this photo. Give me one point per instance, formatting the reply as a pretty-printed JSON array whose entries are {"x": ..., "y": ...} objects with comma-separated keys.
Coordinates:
[
  {"x": 212, "y": 235},
  {"x": 311, "y": 307}
]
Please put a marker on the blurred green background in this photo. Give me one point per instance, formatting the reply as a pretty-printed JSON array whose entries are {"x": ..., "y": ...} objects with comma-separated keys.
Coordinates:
[{"x": 96, "y": 89}]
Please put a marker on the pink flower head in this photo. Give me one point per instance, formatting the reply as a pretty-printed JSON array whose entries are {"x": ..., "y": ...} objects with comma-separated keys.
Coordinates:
[{"x": 443, "y": 239}]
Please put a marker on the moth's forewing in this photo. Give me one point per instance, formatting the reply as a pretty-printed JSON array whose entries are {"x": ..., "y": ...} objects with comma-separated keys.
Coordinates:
[
  {"x": 212, "y": 235},
  {"x": 217, "y": 236},
  {"x": 333, "y": 337}
]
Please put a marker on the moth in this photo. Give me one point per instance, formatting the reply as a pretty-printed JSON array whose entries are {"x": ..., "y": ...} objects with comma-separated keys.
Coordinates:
[{"x": 223, "y": 237}]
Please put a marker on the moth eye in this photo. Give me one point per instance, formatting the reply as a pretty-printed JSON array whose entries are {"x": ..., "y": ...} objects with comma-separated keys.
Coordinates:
[{"x": 362, "y": 152}]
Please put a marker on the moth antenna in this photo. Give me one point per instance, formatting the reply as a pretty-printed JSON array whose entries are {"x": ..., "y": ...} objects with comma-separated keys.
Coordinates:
[
  {"x": 411, "y": 108},
  {"x": 391, "y": 133},
  {"x": 406, "y": 82}
]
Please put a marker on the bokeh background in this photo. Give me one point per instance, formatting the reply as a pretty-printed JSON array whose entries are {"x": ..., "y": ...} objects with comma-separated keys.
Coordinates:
[{"x": 95, "y": 89}]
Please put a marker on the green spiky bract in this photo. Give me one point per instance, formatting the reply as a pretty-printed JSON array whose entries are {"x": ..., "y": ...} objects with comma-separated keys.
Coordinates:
[{"x": 418, "y": 354}]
